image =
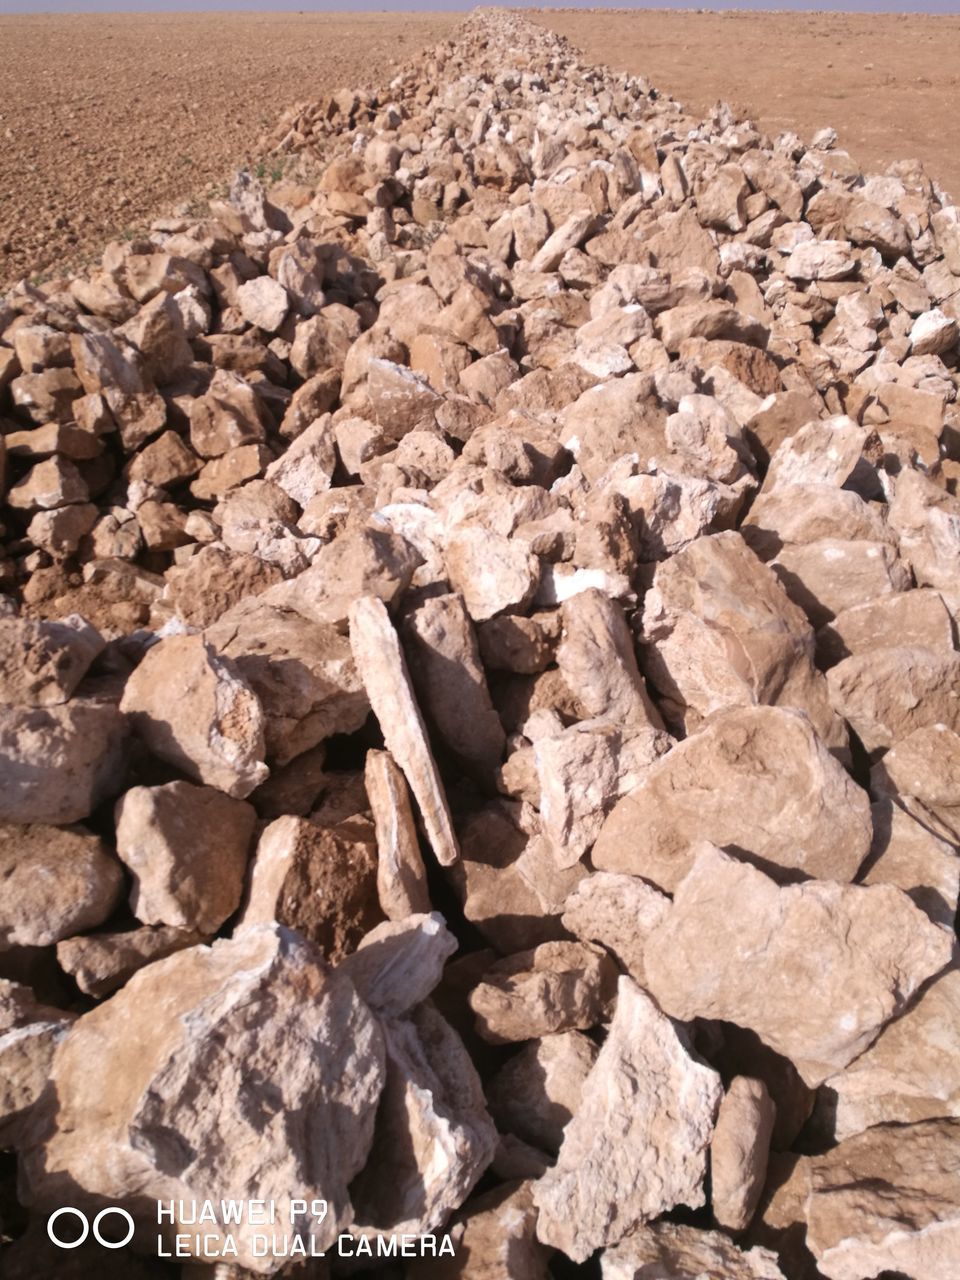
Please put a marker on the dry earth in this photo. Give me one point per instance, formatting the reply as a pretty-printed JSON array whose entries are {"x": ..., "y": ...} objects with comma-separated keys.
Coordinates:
[
  {"x": 888, "y": 83},
  {"x": 159, "y": 106}
]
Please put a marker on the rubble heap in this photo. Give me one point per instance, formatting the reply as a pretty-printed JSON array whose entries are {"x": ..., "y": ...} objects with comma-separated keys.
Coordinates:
[{"x": 480, "y": 740}]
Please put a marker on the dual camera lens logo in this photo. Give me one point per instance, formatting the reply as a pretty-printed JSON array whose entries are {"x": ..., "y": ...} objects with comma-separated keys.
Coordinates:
[{"x": 76, "y": 1227}]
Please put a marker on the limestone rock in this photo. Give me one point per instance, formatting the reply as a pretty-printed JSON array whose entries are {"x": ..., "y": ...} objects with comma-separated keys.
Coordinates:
[
  {"x": 99, "y": 963},
  {"x": 668, "y": 1251},
  {"x": 379, "y": 659},
  {"x": 398, "y": 963},
  {"x": 433, "y": 1136},
  {"x": 41, "y": 663},
  {"x": 263, "y": 302},
  {"x": 537, "y": 1093},
  {"x": 495, "y": 1239},
  {"x": 887, "y": 694},
  {"x": 912, "y": 618},
  {"x": 401, "y": 875},
  {"x": 189, "y": 1044},
  {"x": 55, "y": 883},
  {"x": 886, "y": 1201},
  {"x": 58, "y": 763},
  {"x": 908, "y": 854},
  {"x": 186, "y": 848},
  {"x": 637, "y": 1145},
  {"x": 194, "y": 709},
  {"x": 29, "y": 1035},
  {"x": 318, "y": 880},
  {"x": 740, "y": 948},
  {"x": 558, "y": 986},
  {"x": 494, "y": 574},
  {"x": 828, "y": 576},
  {"x": 619, "y": 912},
  {"x": 739, "y": 1152},
  {"x": 756, "y": 781}
]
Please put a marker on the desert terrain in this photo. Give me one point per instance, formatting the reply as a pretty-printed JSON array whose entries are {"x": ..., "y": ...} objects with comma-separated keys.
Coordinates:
[{"x": 157, "y": 107}]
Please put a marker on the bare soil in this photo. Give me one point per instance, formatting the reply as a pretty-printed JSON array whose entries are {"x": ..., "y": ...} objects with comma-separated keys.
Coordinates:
[
  {"x": 107, "y": 120},
  {"x": 889, "y": 83}
]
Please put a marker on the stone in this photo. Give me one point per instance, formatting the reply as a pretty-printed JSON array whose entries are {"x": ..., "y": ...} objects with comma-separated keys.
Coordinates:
[
  {"x": 47, "y": 485},
  {"x": 886, "y": 1201},
  {"x": 433, "y": 1136},
  {"x": 597, "y": 659},
  {"x": 192, "y": 707},
  {"x": 186, "y": 848},
  {"x": 56, "y": 882},
  {"x": 185, "y": 1120},
  {"x": 495, "y": 1239},
  {"x": 100, "y": 963},
  {"x": 637, "y": 1145},
  {"x": 888, "y": 693},
  {"x": 558, "y": 986},
  {"x": 802, "y": 514},
  {"x": 58, "y": 763},
  {"x": 932, "y": 333},
  {"x": 511, "y": 642},
  {"x": 301, "y": 671},
  {"x": 441, "y": 648},
  {"x": 380, "y": 662},
  {"x": 401, "y": 875},
  {"x": 227, "y": 416},
  {"x": 832, "y": 574},
  {"x": 216, "y": 580},
  {"x": 806, "y": 817},
  {"x": 917, "y": 617},
  {"x": 821, "y": 260},
  {"x": 739, "y": 1152},
  {"x": 619, "y": 912},
  {"x": 536, "y": 1094},
  {"x": 923, "y": 864},
  {"x": 320, "y": 881},
  {"x": 42, "y": 662},
  {"x": 719, "y": 631},
  {"x": 738, "y": 947},
  {"x": 668, "y": 1251},
  {"x": 29, "y": 1035},
  {"x": 398, "y": 963},
  {"x": 823, "y": 452},
  {"x": 263, "y": 302},
  {"x": 493, "y": 573},
  {"x": 307, "y": 466}
]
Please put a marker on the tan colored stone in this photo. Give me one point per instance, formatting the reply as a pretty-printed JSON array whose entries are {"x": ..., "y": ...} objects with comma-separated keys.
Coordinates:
[
  {"x": 905, "y": 853},
  {"x": 739, "y": 1152},
  {"x": 306, "y": 467},
  {"x": 398, "y": 963},
  {"x": 536, "y": 1094},
  {"x": 816, "y": 969},
  {"x": 668, "y": 1251},
  {"x": 558, "y": 986},
  {"x": 828, "y": 576},
  {"x": 99, "y": 963},
  {"x": 320, "y": 881},
  {"x": 263, "y": 302},
  {"x": 597, "y": 659},
  {"x": 379, "y": 659},
  {"x": 619, "y": 912},
  {"x": 41, "y": 662},
  {"x": 193, "y": 708},
  {"x": 801, "y": 514},
  {"x": 637, "y": 1145},
  {"x": 186, "y": 848},
  {"x": 493, "y": 573},
  {"x": 886, "y": 1201},
  {"x": 913, "y": 618},
  {"x": 401, "y": 875},
  {"x": 228, "y": 415},
  {"x": 169, "y": 1091},
  {"x": 756, "y": 781},
  {"x": 495, "y": 1239},
  {"x": 887, "y": 694}
]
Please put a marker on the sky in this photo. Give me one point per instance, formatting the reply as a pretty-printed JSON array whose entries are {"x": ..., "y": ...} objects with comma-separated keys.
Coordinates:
[{"x": 354, "y": 6}]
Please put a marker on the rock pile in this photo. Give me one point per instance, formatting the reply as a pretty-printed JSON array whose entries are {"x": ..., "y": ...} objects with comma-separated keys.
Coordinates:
[{"x": 480, "y": 728}]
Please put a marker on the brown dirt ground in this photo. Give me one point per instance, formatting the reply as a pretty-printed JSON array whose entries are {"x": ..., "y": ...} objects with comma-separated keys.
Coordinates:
[
  {"x": 888, "y": 83},
  {"x": 107, "y": 120}
]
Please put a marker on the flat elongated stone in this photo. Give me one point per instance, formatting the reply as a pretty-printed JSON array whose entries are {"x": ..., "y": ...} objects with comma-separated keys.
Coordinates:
[
  {"x": 401, "y": 875},
  {"x": 398, "y": 964},
  {"x": 816, "y": 969},
  {"x": 379, "y": 659},
  {"x": 99, "y": 963},
  {"x": 756, "y": 781},
  {"x": 739, "y": 1152},
  {"x": 888, "y": 1200},
  {"x": 169, "y": 1090},
  {"x": 637, "y": 1145},
  {"x": 193, "y": 708}
]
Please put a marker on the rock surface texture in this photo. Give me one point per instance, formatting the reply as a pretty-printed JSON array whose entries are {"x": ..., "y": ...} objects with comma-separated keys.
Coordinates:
[{"x": 480, "y": 702}]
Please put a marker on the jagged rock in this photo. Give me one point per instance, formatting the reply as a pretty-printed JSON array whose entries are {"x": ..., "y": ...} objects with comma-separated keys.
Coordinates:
[
  {"x": 186, "y": 848},
  {"x": 398, "y": 963},
  {"x": 886, "y": 694},
  {"x": 637, "y": 1145},
  {"x": 29, "y": 1035},
  {"x": 433, "y": 1136},
  {"x": 55, "y": 883},
  {"x": 536, "y": 1094},
  {"x": 917, "y": 860},
  {"x": 193, "y": 708},
  {"x": 318, "y": 880},
  {"x": 619, "y": 912},
  {"x": 756, "y": 781},
  {"x": 41, "y": 663},
  {"x": 495, "y": 1239},
  {"x": 738, "y": 947},
  {"x": 667, "y": 1251},
  {"x": 58, "y": 763},
  {"x": 886, "y": 1201},
  {"x": 831, "y": 575},
  {"x": 379, "y": 659},
  {"x": 597, "y": 659},
  {"x": 492, "y": 573},
  {"x": 558, "y": 986},
  {"x": 401, "y": 875},
  {"x": 99, "y": 963},
  {"x": 719, "y": 631},
  {"x": 184, "y": 1119},
  {"x": 913, "y": 618},
  {"x": 739, "y": 1152}
]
